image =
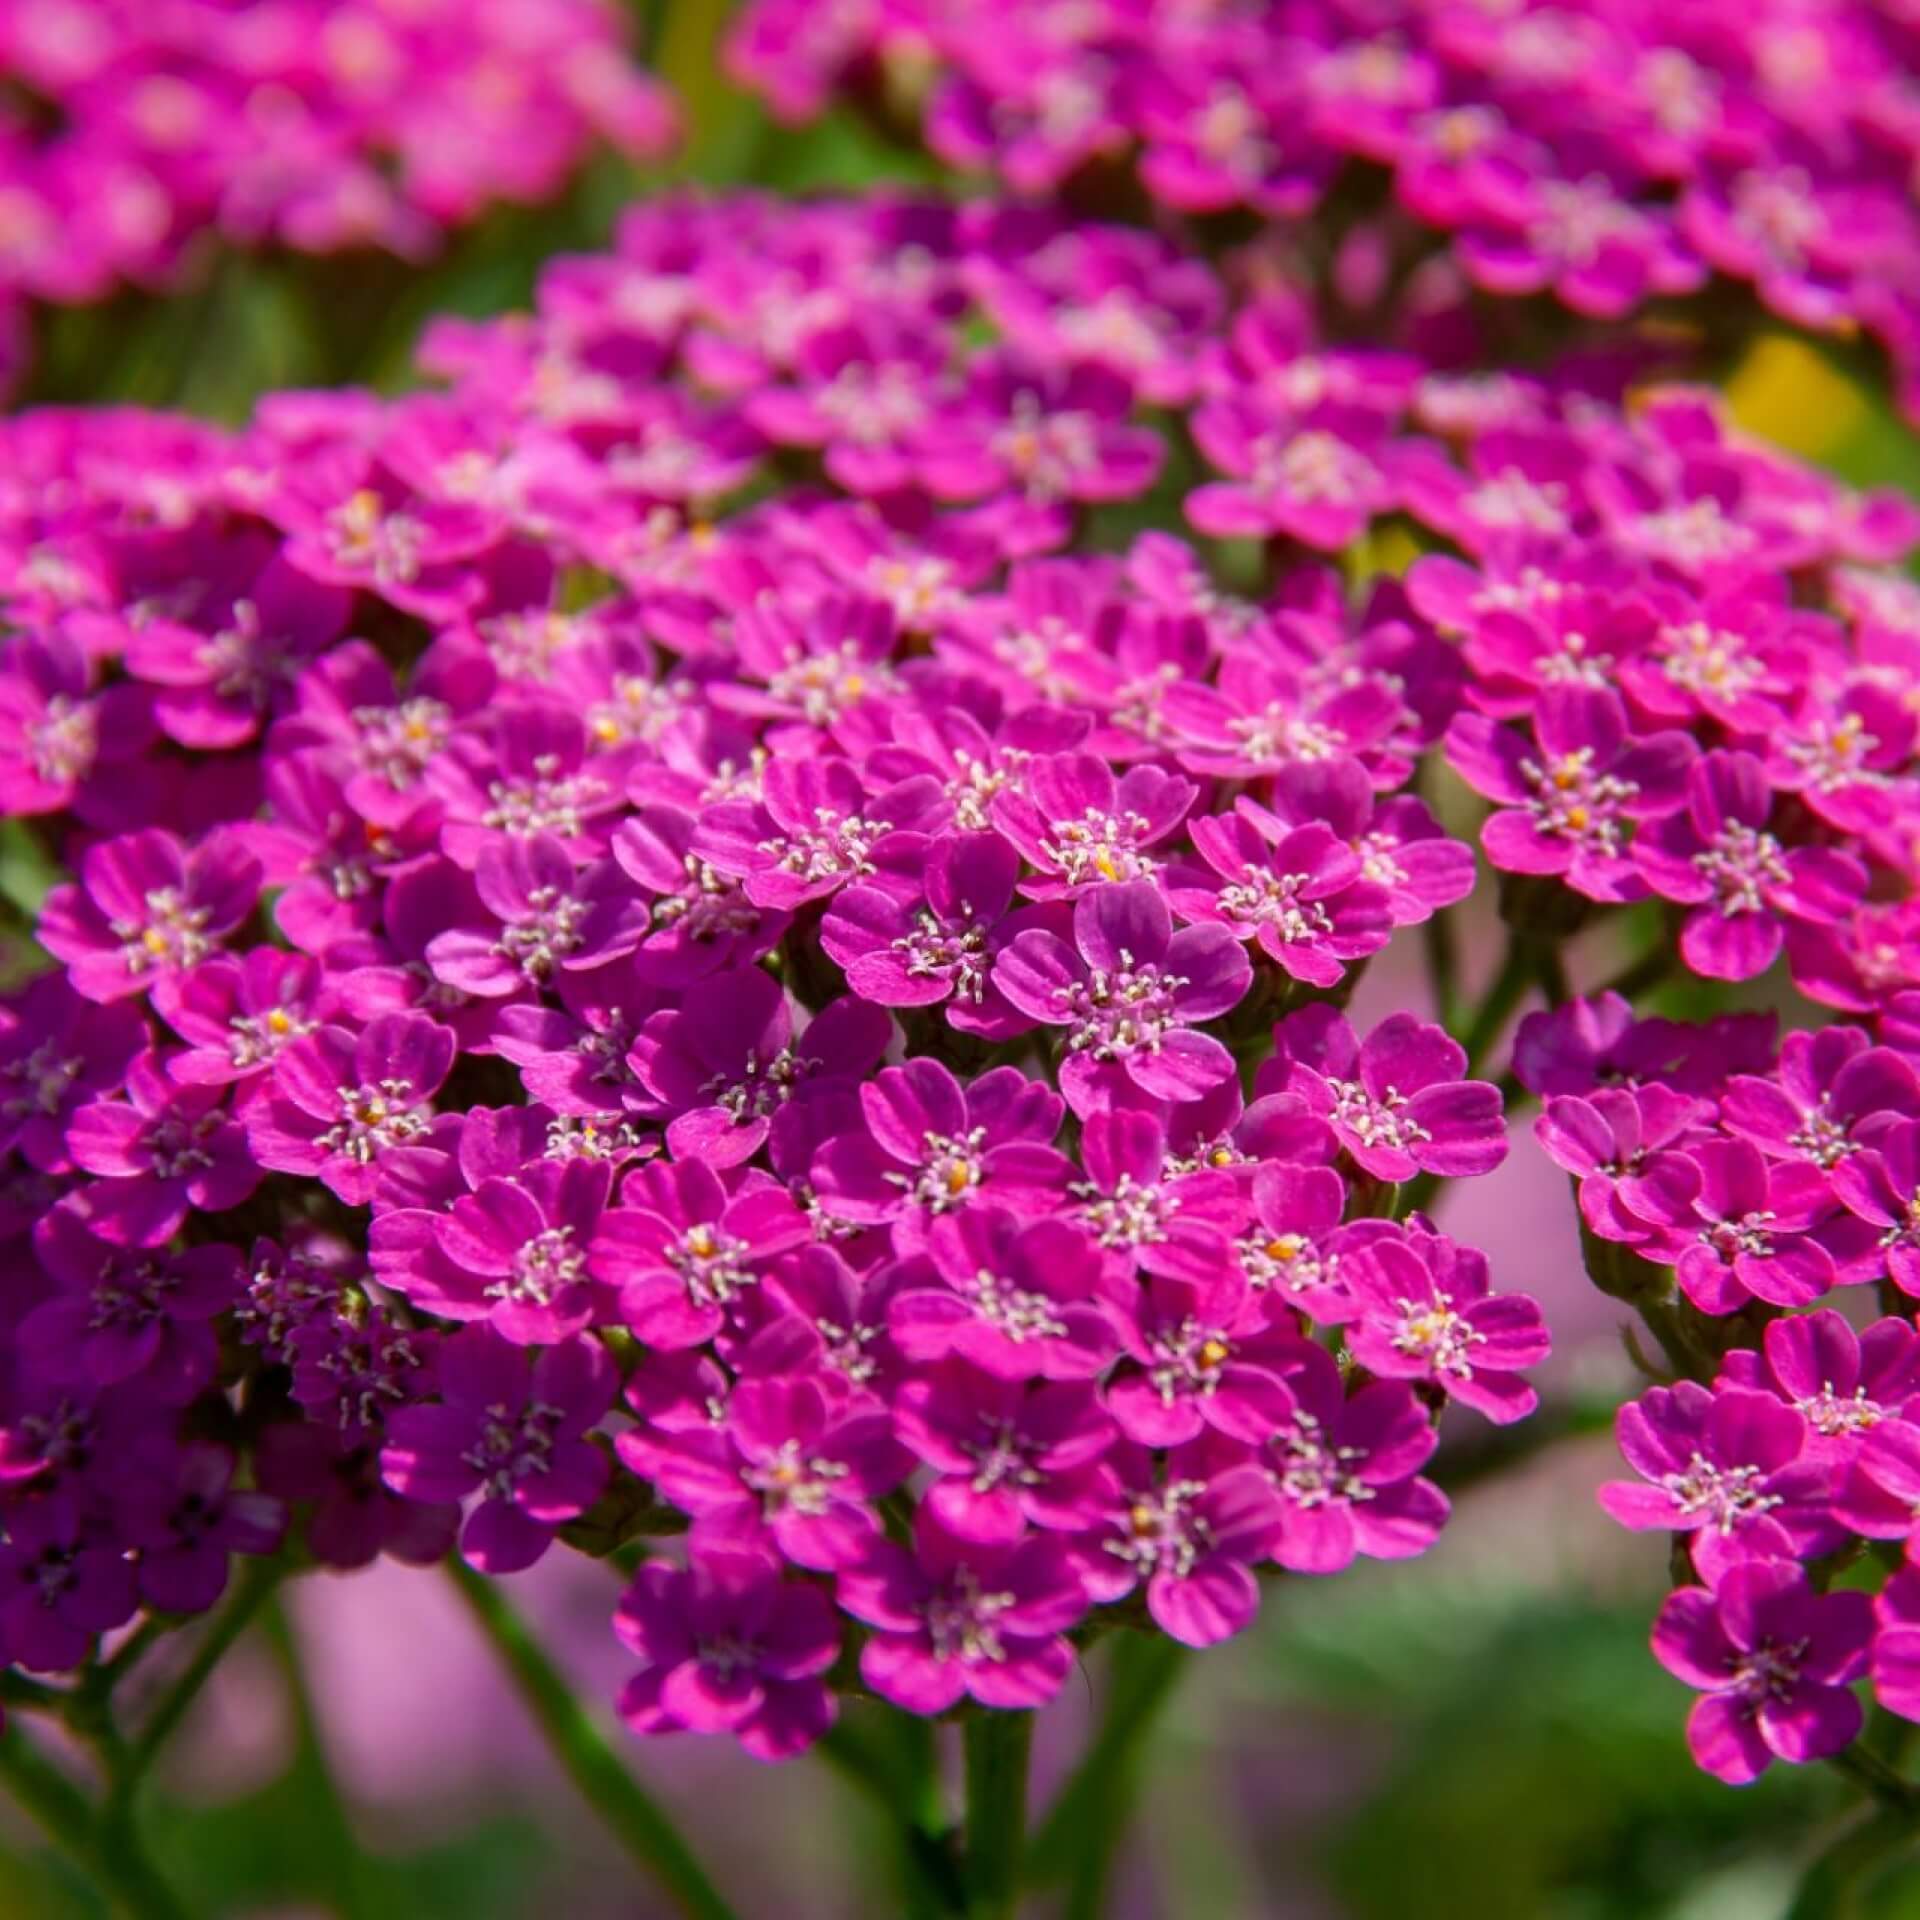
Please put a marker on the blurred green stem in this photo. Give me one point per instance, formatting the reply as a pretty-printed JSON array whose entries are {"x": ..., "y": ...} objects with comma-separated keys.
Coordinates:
[
  {"x": 891, "y": 1756},
  {"x": 586, "y": 1755},
  {"x": 1836, "y": 1885},
  {"x": 999, "y": 1745},
  {"x": 1521, "y": 968},
  {"x": 108, "y": 1851},
  {"x": 256, "y": 1581},
  {"x": 1079, "y": 1837}
]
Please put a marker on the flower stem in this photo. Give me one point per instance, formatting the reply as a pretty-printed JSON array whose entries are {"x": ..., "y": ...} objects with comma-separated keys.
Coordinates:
[
  {"x": 585, "y": 1754},
  {"x": 255, "y": 1582},
  {"x": 110, "y": 1853},
  {"x": 1840, "y": 1877},
  {"x": 1081, "y": 1833},
  {"x": 891, "y": 1757},
  {"x": 998, "y": 1748},
  {"x": 1520, "y": 970}
]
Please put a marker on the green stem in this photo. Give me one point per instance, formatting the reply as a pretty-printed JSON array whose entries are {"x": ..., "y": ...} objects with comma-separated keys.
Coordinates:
[
  {"x": 890, "y": 1756},
  {"x": 1441, "y": 944},
  {"x": 1081, "y": 1834},
  {"x": 111, "y": 1856},
  {"x": 1839, "y": 1878},
  {"x": 1519, "y": 971},
  {"x": 256, "y": 1581},
  {"x": 320, "y": 1794},
  {"x": 585, "y": 1754},
  {"x": 998, "y": 1747},
  {"x": 1873, "y": 1775}
]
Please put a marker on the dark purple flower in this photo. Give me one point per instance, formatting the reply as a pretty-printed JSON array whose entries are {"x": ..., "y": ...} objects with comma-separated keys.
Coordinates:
[
  {"x": 726, "y": 1060},
  {"x": 64, "y": 1578},
  {"x": 185, "y": 1516},
  {"x": 727, "y": 1646},
  {"x": 58, "y": 1052},
  {"x": 511, "y": 1426}
]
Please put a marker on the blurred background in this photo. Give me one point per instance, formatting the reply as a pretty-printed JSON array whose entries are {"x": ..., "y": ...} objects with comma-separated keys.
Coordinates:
[{"x": 1481, "y": 1733}]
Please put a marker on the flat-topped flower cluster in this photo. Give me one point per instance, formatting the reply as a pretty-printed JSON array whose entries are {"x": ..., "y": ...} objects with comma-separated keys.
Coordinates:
[
  {"x": 694, "y": 934},
  {"x": 1615, "y": 155},
  {"x": 132, "y": 131}
]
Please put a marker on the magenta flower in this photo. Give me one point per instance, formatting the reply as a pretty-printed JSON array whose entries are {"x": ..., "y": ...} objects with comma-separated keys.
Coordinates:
[
  {"x": 1193, "y": 1534},
  {"x": 1300, "y": 894},
  {"x": 1774, "y": 1660},
  {"x": 701, "y": 921},
  {"x": 1830, "y": 1091},
  {"x": 1425, "y": 1313},
  {"x": 1319, "y": 485},
  {"x": 1395, "y": 1101},
  {"x": 1019, "y": 1300},
  {"x": 516, "y": 1251},
  {"x": 726, "y": 1060},
  {"x": 930, "y": 932},
  {"x": 1717, "y": 858},
  {"x": 1607, "y": 1136},
  {"x": 812, "y": 831},
  {"x": 1568, "y": 804},
  {"x": 1729, "y": 1469},
  {"x": 955, "y": 1618},
  {"x": 164, "y": 1151},
  {"x": 146, "y": 906},
  {"x": 1881, "y": 1185},
  {"x": 338, "y": 1104},
  {"x": 680, "y": 1249},
  {"x": 510, "y": 1426},
  {"x": 236, "y": 1013},
  {"x": 792, "y": 1467},
  {"x": 931, "y": 1147},
  {"x": 221, "y": 677},
  {"x": 1347, "y": 1467},
  {"x": 1078, "y": 826},
  {"x": 1844, "y": 1385},
  {"x": 60, "y": 736},
  {"x": 1292, "y": 1249},
  {"x": 544, "y": 917},
  {"x": 1734, "y": 1227},
  {"x": 727, "y": 1646},
  {"x": 1008, "y": 1456},
  {"x": 1129, "y": 991}
]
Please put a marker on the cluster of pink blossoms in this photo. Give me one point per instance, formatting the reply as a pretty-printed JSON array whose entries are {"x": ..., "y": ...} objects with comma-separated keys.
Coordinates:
[
  {"x": 692, "y": 934},
  {"x": 1758, "y": 1180},
  {"x": 130, "y": 128},
  {"x": 814, "y": 1029},
  {"x": 1609, "y": 153}
]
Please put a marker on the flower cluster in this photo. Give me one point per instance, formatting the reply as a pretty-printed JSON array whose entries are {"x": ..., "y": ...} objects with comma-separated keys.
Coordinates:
[
  {"x": 132, "y": 128},
  {"x": 1727, "y": 1187},
  {"x": 585, "y": 1014},
  {"x": 1606, "y": 153}
]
